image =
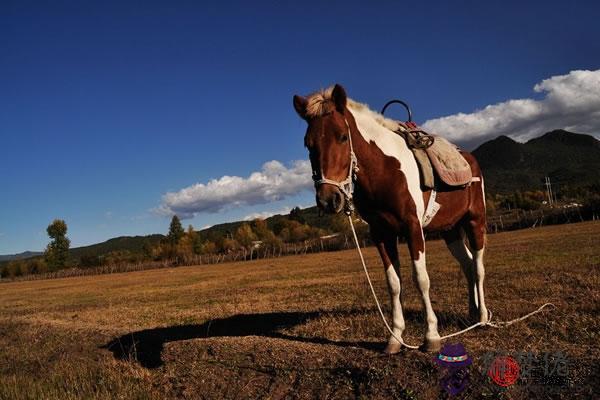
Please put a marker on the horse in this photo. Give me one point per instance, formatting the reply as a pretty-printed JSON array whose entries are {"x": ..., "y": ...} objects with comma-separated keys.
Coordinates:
[{"x": 356, "y": 157}]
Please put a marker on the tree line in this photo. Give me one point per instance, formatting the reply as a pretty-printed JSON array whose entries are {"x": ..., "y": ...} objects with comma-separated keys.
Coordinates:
[
  {"x": 250, "y": 240},
  {"x": 295, "y": 233}
]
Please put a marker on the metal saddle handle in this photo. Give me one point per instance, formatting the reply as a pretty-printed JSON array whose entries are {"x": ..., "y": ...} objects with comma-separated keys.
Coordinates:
[{"x": 398, "y": 102}]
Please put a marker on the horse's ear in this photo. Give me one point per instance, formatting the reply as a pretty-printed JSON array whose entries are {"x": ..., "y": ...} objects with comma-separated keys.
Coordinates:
[
  {"x": 339, "y": 98},
  {"x": 300, "y": 106}
]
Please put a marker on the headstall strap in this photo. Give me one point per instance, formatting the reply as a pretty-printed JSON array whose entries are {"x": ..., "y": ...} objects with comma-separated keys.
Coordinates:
[{"x": 347, "y": 185}]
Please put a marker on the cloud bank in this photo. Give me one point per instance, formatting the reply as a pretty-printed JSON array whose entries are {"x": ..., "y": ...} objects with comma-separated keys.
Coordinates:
[
  {"x": 570, "y": 102},
  {"x": 267, "y": 214},
  {"x": 273, "y": 182}
]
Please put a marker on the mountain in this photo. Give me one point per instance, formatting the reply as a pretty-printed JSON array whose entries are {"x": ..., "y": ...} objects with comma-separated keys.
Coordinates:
[
  {"x": 20, "y": 256},
  {"x": 571, "y": 160},
  {"x": 134, "y": 244}
]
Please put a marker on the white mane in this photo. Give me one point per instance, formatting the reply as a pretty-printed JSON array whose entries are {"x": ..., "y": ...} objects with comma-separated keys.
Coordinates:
[{"x": 321, "y": 103}]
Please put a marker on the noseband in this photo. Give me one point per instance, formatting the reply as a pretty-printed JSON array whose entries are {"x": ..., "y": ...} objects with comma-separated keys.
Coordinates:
[{"x": 347, "y": 185}]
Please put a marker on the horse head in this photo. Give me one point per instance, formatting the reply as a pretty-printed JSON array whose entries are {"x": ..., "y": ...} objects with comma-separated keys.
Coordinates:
[{"x": 329, "y": 145}]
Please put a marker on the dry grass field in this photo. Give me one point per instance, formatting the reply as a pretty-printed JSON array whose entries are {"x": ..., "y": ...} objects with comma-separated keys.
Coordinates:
[{"x": 299, "y": 327}]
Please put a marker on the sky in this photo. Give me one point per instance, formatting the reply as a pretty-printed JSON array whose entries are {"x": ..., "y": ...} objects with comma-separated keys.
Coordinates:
[{"x": 115, "y": 115}]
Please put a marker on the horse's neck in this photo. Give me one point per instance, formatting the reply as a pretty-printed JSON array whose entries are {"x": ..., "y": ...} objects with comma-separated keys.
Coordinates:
[{"x": 388, "y": 142}]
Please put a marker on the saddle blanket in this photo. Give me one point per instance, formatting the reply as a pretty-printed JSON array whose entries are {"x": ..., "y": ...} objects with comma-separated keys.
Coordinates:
[{"x": 449, "y": 164}]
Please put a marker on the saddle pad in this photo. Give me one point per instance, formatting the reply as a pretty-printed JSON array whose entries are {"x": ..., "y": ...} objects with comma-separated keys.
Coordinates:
[
  {"x": 450, "y": 165},
  {"x": 427, "y": 180}
]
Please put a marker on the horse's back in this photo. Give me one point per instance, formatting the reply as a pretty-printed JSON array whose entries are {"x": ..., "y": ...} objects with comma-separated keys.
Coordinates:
[{"x": 475, "y": 169}]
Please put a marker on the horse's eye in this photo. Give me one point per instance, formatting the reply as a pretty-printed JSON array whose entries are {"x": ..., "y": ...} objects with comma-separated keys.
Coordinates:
[{"x": 343, "y": 138}]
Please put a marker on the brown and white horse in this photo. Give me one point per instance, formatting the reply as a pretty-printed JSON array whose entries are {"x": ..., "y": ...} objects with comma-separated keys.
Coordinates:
[{"x": 355, "y": 155}]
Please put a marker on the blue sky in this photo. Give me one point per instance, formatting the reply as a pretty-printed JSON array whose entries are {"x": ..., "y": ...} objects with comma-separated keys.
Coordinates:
[{"x": 106, "y": 107}]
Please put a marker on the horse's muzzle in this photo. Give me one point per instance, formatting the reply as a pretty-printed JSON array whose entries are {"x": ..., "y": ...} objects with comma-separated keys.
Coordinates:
[{"x": 330, "y": 199}]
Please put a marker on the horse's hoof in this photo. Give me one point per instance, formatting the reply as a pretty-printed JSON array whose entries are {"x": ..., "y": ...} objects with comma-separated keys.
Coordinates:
[
  {"x": 484, "y": 318},
  {"x": 393, "y": 348},
  {"x": 431, "y": 345}
]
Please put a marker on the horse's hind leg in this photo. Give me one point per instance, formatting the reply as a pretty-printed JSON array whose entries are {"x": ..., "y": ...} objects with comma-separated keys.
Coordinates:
[
  {"x": 475, "y": 230},
  {"x": 455, "y": 241},
  {"x": 388, "y": 250}
]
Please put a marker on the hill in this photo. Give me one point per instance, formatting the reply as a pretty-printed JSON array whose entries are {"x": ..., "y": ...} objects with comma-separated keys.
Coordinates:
[
  {"x": 571, "y": 160},
  {"x": 135, "y": 244},
  {"x": 20, "y": 256}
]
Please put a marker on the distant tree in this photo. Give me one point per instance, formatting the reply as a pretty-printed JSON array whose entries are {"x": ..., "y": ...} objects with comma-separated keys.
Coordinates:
[
  {"x": 490, "y": 204},
  {"x": 270, "y": 242},
  {"x": 90, "y": 260},
  {"x": 295, "y": 215},
  {"x": 259, "y": 226},
  {"x": 185, "y": 247},
  {"x": 228, "y": 245},
  {"x": 208, "y": 247},
  {"x": 37, "y": 265},
  {"x": 57, "y": 251},
  {"x": 193, "y": 240},
  {"x": 339, "y": 224},
  {"x": 147, "y": 249},
  {"x": 294, "y": 232},
  {"x": 245, "y": 236},
  {"x": 191, "y": 233},
  {"x": 176, "y": 231}
]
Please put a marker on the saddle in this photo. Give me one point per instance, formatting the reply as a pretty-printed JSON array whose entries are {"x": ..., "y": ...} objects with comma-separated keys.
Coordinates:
[{"x": 435, "y": 156}]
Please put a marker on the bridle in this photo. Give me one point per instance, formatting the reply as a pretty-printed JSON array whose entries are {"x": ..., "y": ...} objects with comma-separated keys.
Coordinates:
[{"x": 347, "y": 185}]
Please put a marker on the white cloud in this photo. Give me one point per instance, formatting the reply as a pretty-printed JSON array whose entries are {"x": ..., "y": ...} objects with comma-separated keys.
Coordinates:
[
  {"x": 273, "y": 182},
  {"x": 266, "y": 214},
  {"x": 571, "y": 102}
]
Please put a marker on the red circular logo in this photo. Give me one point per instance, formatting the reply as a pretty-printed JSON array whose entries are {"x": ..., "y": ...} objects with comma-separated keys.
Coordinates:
[{"x": 504, "y": 371}]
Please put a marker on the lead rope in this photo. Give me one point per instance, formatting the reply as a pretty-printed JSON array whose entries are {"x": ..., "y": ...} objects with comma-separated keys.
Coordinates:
[{"x": 499, "y": 324}]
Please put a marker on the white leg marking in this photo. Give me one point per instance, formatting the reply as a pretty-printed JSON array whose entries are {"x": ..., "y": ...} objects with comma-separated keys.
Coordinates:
[
  {"x": 461, "y": 252},
  {"x": 422, "y": 281},
  {"x": 395, "y": 290},
  {"x": 480, "y": 274}
]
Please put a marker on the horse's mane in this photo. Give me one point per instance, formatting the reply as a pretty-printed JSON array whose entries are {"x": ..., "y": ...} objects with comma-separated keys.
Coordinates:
[{"x": 321, "y": 103}]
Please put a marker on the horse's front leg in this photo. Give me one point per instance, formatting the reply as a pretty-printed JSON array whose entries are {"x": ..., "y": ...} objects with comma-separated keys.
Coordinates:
[
  {"x": 416, "y": 246},
  {"x": 388, "y": 250}
]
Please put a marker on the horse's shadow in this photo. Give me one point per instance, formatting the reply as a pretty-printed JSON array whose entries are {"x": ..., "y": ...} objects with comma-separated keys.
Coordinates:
[{"x": 146, "y": 346}]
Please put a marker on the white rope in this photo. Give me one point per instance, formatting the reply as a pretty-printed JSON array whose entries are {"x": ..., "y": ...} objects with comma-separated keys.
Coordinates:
[{"x": 500, "y": 324}]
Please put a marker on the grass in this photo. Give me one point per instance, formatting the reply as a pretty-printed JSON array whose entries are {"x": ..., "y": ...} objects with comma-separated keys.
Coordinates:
[{"x": 297, "y": 327}]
